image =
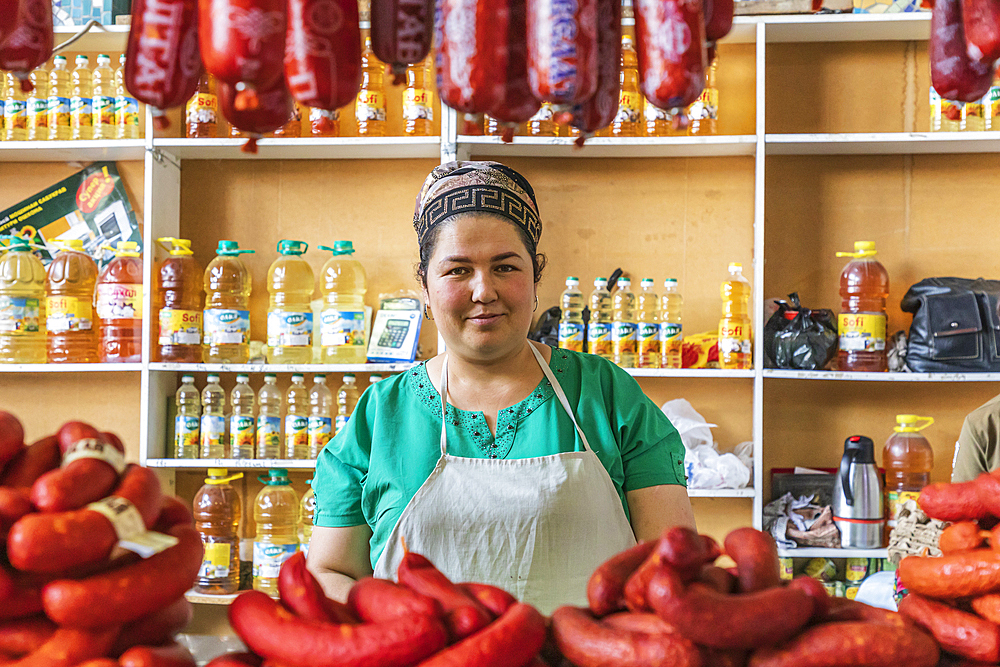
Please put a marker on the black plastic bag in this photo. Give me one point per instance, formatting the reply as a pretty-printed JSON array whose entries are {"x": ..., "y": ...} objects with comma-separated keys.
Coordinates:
[
  {"x": 546, "y": 329},
  {"x": 800, "y": 338}
]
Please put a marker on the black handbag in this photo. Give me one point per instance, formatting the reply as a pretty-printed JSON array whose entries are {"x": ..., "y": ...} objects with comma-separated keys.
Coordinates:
[{"x": 956, "y": 327}]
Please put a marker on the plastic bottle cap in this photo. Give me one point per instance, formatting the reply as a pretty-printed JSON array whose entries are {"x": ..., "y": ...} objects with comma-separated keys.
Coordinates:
[
  {"x": 298, "y": 376},
  {"x": 348, "y": 375},
  {"x": 572, "y": 279},
  {"x": 275, "y": 477},
  {"x": 624, "y": 281},
  {"x": 213, "y": 378},
  {"x": 646, "y": 282},
  {"x": 598, "y": 282},
  {"x": 374, "y": 377},
  {"x": 187, "y": 378},
  {"x": 861, "y": 249},
  {"x": 176, "y": 247},
  {"x": 59, "y": 59},
  {"x": 103, "y": 56},
  {"x": 270, "y": 376},
  {"x": 71, "y": 244},
  {"x": 908, "y": 423},
  {"x": 339, "y": 248},
  {"x": 221, "y": 476},
  {"x": 735, "y": 266},
  {"x": 289, "y": 247},
  {"x": 230, "y": 249},
  {"x": 670, "y": 282},
  {"x": 242, "y": 378},
  {"x": 127, "y": 249},
  {"x": 318, "y": 377},
  {"x": 18, "y": 243},
  {"x": 81, "y": 59}
]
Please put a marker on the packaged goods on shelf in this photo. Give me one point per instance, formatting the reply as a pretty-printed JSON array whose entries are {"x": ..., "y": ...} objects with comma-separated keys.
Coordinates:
[
  {"x": 217, "y": 509},
  {"x": 320, "y": 416},
  {"x": 227, "y": 307},
  {"x": 276, "y": 514},
  {"x": 735, "y": 338},
  {"x": 862, "y": 324},
  {"x": 118, "y": 304},
  {"x": 290, "y": 285},
  {"x": 22, "y": 305}
]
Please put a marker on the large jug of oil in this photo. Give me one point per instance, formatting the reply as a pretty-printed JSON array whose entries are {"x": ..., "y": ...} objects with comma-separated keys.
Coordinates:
[
  {"x": 864, "y": 287},
  {"x": 119, "y": 305},
  {"x": 71, "y": 279},
  {"x": 22, "y": 305},
  {"x": 227, "y": 307},
  {"x": 290, "y": 283},
  {"x": 276, "y": 513},
  {"x": 217, "y": 511},
  {"x": 178, "y": 298}
]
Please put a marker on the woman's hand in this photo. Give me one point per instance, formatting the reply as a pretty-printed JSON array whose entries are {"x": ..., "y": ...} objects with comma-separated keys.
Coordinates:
[
  {"x": 658, "y": 507},
  {"x": 338, "y": 557}
]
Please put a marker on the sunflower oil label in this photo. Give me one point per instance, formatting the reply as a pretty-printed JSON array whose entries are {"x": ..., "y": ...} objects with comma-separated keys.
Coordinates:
[
  {"x": 217, "y": 560},
  {"x": 599, "y": 338},
  {"x": 289, "y": 329},
  {"x": 58, "y": 111},
  {"x": 649, "y": 338},
  {"x": 213, "y": 431},
  {"x": 653, "y": 113},
  {"x": 623, "y": 335},
  {"x": 370, "y": 106},
  {"x": 418, "y": 104},
  {"x": 320, "y": 431},
  {"x": 224, "y": 326},
  {"x": 734, "y": 338},
  {"x": 180, "y": 327},
  {"x": 670, "y": 332},
  {"x": 38, "y": 117},
  {"x": 241, "y": 434},
  {"x": 629, "y": 107},
  {"x": 342, "y": 327},
  {"x": 342, "y": 422},
  {"x": 268, "y": 558},
  {"x": 296, "y": 432},
  {"x": 268, "y": 434},
  {"x": 187, "y": 433},
  {"x": 81, "y": 110},
  {"x": 861, "y": 332},
  {"x": 126, "y": 111},
  {"x": 68, "y": 313},
  {"x": 104, "y": 110},
  {"x": 16, "y": 115},
  {"x": 119, "y": 301},
  {"x": 203, "y": 108},
  {"x": 571, "y": 336},
  {"x": 706, "y": 106},
  {"x": 19, "y": 315},
  {"x": 896, "y": 500}
]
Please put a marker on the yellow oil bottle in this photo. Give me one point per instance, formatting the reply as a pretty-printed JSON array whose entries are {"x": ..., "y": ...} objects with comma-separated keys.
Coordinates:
[
  {"x": 297, "y": 419},
  {"x": 324, "y": 123},
  {"x": 543, "y": 123},
  {"x": 418, "y": 100},
  {"x": 628, "y": 122},
  {"x": 15, "y": 111},
  {"x": 276, "y": 513},
  {"x": 369, "y": 108},
  {"x": 290, "y": 283},
  {"x": 126, "y": 106},
  {"x": 81, "y": 112},
  {"x": 37, "y": 103},
  {"x": 735, "y": 339},
  {"x": 704, "y": 112},
  {"x": 343, "y": 334},
  {"x": 217, "y": 509},
  {"x": 624, "y": 326},
  {"x": 648, "y": 334},
  {"x": 60, "y": 91},
  {"x": 600, "y": 327},
  {"x": 22, "y": 305},
  {"x": 103, "y": 99},
  {"x": 71, "y": 279},
  {"x": 227, "y": 307}
]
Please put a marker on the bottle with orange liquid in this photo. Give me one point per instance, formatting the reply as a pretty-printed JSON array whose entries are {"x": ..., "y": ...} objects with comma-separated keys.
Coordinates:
[
  {"x": 22, "y": 305},
  {"x": 202, "y": 110},
  {"x": 293, "y": 126},
  {"x": 178, "y": 299},
  {"x": 217, "y": 509},
  {"x": 418, "y": 100},
  {"x": 628, "y": 122},
  {"x": 864, "y": 287},
  {"x": 69, "y": 295},
  {"x": 908, "y": 460},
  {"x": 323, "y": 123},
  {"x": 735, "y": 340},
  {"x": 119, "y": 305},
  {"x": 369, "y": 108}
]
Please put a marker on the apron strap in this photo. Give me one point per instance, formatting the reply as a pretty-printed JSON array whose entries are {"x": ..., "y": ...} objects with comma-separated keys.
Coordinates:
[{"x": 549, "y": 375}]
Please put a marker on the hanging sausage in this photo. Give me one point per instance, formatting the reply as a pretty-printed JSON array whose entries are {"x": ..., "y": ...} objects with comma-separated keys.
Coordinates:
[
  {"x": 162, "y": 63},
  {"x": 25, "y": 37},
  {"x": 670, "y": 41},
  {"x": 598, "y": 111},
  {"x": 718, "y": 23},
  {"x": 323, "y": 52},
  {"x": 517, "y": 104},
  {"x": 271, "y": 111},
  {"x": 472, "y": 53},
  {"x": 954, "y": 75},
  {"x": 562, "y": 50},
  {"x": 401, "y": 33},
  {"x": 982, "y": 29}
]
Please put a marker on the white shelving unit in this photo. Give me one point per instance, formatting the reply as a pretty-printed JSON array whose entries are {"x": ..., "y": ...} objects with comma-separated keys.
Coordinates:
[
  {"x": 70, "y": 368},
  {"x": 281, "y": 368},
  {"x": 817, "y": 552}
]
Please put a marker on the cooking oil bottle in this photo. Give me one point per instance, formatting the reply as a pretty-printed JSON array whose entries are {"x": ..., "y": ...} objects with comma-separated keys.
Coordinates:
[
  {"x": 373, "y": 378},
  {"x": 15, "y": 111},
  {"x": 324, "y": 123},
  {"x": 81, "y": 112},
  {"x": 974, "y": 116},
  {"x": 369, "y": 109},
  {"x": 269, "y": 419},
  {"x": 70, "y": 281},
  {"x": 119, "y": 305},
  {"x": 571, "y": 319},
  {"x": 735, "y": 340},
  {"x": 103, "y": 99},
  {"x": 347, "y": 399},
  {"x": 628, "y": 121},
  {"x": 908, "y": 460},
  {"x": 935, "y": 108},
  {"x": 293, "y": 126},
  {"x": 22, "y": 305},
  {"x": 217, "y": 510},
  {"x": 290, "y": 283},
  {"x": 659, "y": 122},
  {"x": 126, "y": 106},
  {"x": 227, "y": 307},
  {"x": 991, "y": 104},
  {"x": 320, "y": 416},
  {"x": 418, "y": 100},
  {"x": 543, "y": 123},
  {"x": 201, "y": 114},
  {"x": 343, "y": 334},
  {"x": 671, "y": 328},
  {"x": 58, "y": 107},
  {"x": 187, "y": 423},
  {"x": 178, "y": 297},
  {"x": 297, "y": 419},
  {"x": 38, "y": 102},
  {"x": 704, "y": 112},
  {"x": 213, "y": 420},
  {"x": 276, "y": 513},
  {"x": 861, "y": 325},
  {"x": 624, "y": 332},
  {"x": 307, "y": 512},
  {"x": 648, "y": 306},
  {"x": 951, "y": 115},
  {"x": 600, "y": 327},
  {"x": 241, "y": 425}
]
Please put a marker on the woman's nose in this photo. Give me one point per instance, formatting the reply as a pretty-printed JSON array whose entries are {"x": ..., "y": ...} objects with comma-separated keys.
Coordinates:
[{"x": 483, "y": 289}]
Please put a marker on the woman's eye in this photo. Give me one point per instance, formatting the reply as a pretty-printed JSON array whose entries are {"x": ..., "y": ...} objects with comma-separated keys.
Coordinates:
[
  {"x": 458, "y": 270},
  {"x": 506, "y": 268}
]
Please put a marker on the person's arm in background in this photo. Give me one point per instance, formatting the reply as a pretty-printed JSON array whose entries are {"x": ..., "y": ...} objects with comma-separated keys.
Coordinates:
[
  {"x": 338, "y": 557},
  {"x": 658, "y": 507},
  {"x": 970, "y": 453}
]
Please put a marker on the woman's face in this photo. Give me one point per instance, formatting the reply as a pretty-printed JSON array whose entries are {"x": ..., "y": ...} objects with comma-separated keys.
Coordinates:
[{"x": 481, "y": 287}]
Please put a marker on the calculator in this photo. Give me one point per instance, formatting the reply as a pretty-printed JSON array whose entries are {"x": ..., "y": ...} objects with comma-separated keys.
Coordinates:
[{"x": 394, "y": 333}]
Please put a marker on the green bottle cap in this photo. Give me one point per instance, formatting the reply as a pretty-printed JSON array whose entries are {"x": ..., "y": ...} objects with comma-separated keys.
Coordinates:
[
  {"x": 339, "y": 248},
  {"x": 230, "y": 249},
  {"x": 275, "y": 477},
  {"x": 18, "y": 243},
  {"x": 288, "y": 247}
]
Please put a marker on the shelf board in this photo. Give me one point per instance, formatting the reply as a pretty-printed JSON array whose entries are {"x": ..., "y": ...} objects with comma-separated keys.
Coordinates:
[
  {"x": 611, "y": 147},
  {"x": 72, "y": 151},
  {"x": 205, "y": 598},
  {"x": 283, "y": 368},
  {"x": 347, "y": 148},
  {"x": 909, "y": 26},
  {"x": 880, "y": 377},
  {"x": 70, "y": 368},
  {"x": 235, "y": 464},
  {"x": 882, "y": 143},
  {"x": 688, "y": 373},
  {"x": 721, "y": 493},
  {"x": 818, "y": 552},
  {"x": 110, "y": 39}
]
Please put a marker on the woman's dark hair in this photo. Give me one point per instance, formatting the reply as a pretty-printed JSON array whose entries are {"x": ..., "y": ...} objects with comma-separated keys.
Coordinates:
[{"x": 430, "y": 240}]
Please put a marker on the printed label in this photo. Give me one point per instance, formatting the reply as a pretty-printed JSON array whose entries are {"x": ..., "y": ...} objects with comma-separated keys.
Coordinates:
[
  {"x": 671, "y": 344},
  {"x": 119, "y": 301},
  {"x": 991, "y": 102},
  {"x": 268, "y": 558},
  {"x": 735, "y": 345},
  {"x": 342, "y": 422},
  {"x": 370, "y": 106},
  {"x": 213, "y": 432},
  {"x": 649, "y": 338},
  {"x": 104, "y": 110},
  {"x": 862, "y": 332},
  {"x": 203, "y": 109},
  {"x": 320, "y": 430},
  {"x": 974, "y": 110},
  {"x": 15, "y": 114},
  {"x": 670, "y": 331},
  {"x": 289, "y": 329},
  {"x": 241, "y": 436},
  {"x": 896, "y": 500},
  {"x": 227, "y": 327},
  {"x": 187, "y": 432},
  {"x": 342, "y": 327},
  {"x": 654, "y": 113},
  {"x": 58, "y": 111},
  {"x": 706, "y": 107},
  {"x": 629, "y": 107},
  {"x": 123, "y": 515},
  {"x": 215, "y": 564},
  {"x": 323, "y": 122},
  {"x": 268, "y": 435},
  {"x": 89, "y": 448},
  {"x": 951, "y": 110},
  {"x": 180, "y": 327},
  {"x": 126, "y": 111},
  {"x": 38, "y": 117},
  {"x": 623, "y": 337},
  {"x": 571, "y": 336},
  {"x": 418, "y": 104},
  {"x": 599, "y": 338},
  {"x": 856, "y": 569},
  {"x": 19, "y": 315},
  {"x": 296, "y": 434},
  {"x": 81, "y": 111}
]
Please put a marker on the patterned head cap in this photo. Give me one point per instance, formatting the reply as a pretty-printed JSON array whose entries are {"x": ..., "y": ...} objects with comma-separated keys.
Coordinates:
[{"x": 459, "y": 187}]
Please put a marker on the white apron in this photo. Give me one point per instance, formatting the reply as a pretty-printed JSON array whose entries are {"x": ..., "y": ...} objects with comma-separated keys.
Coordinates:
[{"x": 535, "y": 527}]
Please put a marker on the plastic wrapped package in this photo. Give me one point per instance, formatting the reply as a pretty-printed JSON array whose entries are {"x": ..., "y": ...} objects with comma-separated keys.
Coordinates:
[{"x": 704, "y": 466}]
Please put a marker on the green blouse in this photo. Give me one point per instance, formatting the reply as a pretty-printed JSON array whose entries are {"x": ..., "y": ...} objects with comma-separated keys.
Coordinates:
[{"x": 372, "y": 468}]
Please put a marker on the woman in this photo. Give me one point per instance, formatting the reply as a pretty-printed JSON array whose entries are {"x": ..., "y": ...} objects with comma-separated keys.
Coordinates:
[{"x": 546, "y": 463}]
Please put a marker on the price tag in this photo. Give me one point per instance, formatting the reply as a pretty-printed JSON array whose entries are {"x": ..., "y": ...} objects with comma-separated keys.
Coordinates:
[
  {"x": 129, "y": 527},
  {"x": 89, "y": 448}
]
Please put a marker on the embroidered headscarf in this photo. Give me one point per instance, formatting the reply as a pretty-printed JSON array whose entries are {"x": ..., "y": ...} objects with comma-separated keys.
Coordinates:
[{"x": 460, "y": 187}]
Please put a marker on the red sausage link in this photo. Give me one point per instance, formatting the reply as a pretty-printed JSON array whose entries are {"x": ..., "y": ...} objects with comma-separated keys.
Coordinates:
[
  {"x": 497, "y": 600},
  {"x": 606, "y": 587},
  {"x": 156, "y": 629},
  {"x": 463, "y": 615},
  {"x": 961, "y": 536},
  {"x": 81, "y": 481},
  {"x": 11, "y": 431},
  {"x": 70, "y": 646},
  {"x": 273, "y": 107},
  {"x": 171, "y": 655},
  {"x": 512, "y": 641},
  {"x": 687, "y": 551},
  {"x": 587, "y": 642},
  {"x": 377, "y": 600},
  {"x": 599, "y": 110},
  {"x": 302, "y": 594},
  {"x": 23, "y": 601},
  {"x": 516, "y": 104},
  {"x": 59, "y": 541},
  {"x": 843, "y": 610},
  {"x": 982, "y": 29},
  {"x": 965, "y": 574},
  {"x": 130, "y": 592},
  {"x": 244, "y": 659},
  {"x": 401, "y": 33},
  {"x": 718, "y": 20},
  {"x": 954, "y": 75},
  {"x": 952, "y": 502},
  {"x": 670, "y": 41},
  {"x": 957, "y": 631},
  {"x": 100, "y": 662},
  {"x": 173, "y": 512},
  {"x": 472, "y": 53},
  {"x": 637, "y": 585},
  {"x": 987, "y": 487},
  {"x": 646, "y": 622},
  {"x": 720, "y": 579},
  {"x": 71, "y": 433},
  {"x": 29, "y": 44},
  {"x": 756, "y": 557},
  {"x": 562, "y": 50},
  {"x": 31, "y": 463},
  {"x": 323, "y": 52},
  {"x": 851, "y": 644},
  {"x": 14, "y": 504},
  {"x": 271, "y": 632},
  {"x": 814, "y": 589},
  {"x": 23, "y": 636},
  {"x": 162, "y": 62}
]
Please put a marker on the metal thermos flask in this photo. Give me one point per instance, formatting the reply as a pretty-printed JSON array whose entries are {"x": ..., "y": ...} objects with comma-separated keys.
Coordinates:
[{"x": 858, "y": 507}]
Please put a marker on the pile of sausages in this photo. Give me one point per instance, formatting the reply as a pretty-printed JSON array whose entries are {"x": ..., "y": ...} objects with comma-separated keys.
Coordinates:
[
  {"x": 70, "y": 594},
  {"x": 956, "y": 597},
  {"x": 964, "y": 48},
  {"x": 667, "y": 603}
]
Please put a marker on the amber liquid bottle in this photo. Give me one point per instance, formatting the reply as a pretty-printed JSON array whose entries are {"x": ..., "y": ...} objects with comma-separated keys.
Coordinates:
[
  {"x": 418, "y": 101},
  {"x": 202, "y": 115},
  {"x": 369, "y": 108},
  {"x": 179, "y": 304},
  {"x": 862, "y": 325},
  {"x": 293, "y": 127}
]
